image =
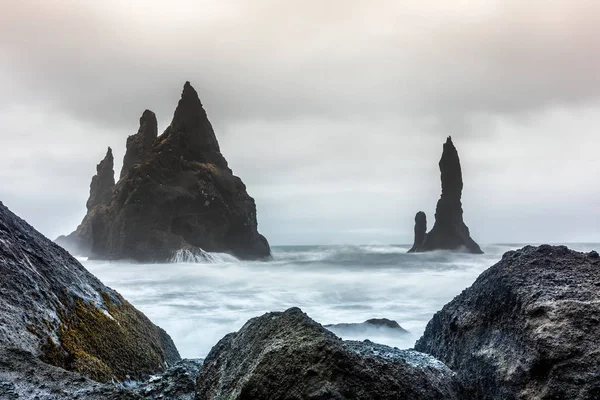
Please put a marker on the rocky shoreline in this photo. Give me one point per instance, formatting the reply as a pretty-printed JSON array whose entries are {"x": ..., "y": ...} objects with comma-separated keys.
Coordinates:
[{"x": 526, "y": 329}]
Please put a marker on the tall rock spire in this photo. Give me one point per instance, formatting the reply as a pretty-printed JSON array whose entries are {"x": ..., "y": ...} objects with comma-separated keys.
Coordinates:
[
  {"x": 103, "y": 183},
  {"x": 139, "y": 146},
  {"x": 449, "y": 231}
]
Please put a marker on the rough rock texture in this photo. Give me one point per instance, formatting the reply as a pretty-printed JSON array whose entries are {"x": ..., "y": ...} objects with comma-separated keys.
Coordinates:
[
  {"x": 528, "y": 328},
  {"x": 177, "y": 383},
  {"x": 178, "y": 196},
  {"x": 289, "y": 356},
  {"x": 449, "y": 231},
  {"x": 24, "y": 376},
  {"x": 54, "y": 308},
  {"x": 139, "y": 146},
  {"x": 420, "y": 231}
]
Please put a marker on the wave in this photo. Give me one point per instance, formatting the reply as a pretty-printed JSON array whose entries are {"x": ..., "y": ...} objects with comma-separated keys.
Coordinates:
[{"x": 199, "y": 256}]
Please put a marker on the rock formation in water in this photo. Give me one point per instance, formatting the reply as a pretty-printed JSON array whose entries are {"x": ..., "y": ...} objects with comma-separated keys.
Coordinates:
[
  {"x": 373, "y": 326},
  {"x": 176, "y": 193},
  {"x": 286, "y": 355},
  {"x": 528, "y": 328},
  {"x": 420, "y": 231},
  {"x": 51, "y": 307},
  {"x": 449, "y": 231}
]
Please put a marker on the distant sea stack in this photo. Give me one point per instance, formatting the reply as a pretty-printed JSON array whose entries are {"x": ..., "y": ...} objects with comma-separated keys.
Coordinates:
[
  {"x": 176, "y": 193},
  {"x": 449, "y": 231}
]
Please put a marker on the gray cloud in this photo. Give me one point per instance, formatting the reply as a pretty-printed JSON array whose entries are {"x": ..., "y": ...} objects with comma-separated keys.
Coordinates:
[{"x": 332, "y": 112}]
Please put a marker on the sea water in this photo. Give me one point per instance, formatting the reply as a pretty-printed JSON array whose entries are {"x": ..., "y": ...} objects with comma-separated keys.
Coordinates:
[{"x": 199, "y": 301}]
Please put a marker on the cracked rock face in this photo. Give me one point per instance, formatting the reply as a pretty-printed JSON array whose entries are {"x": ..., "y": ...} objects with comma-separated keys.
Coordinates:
[
  {"x": 53, "y": 308},
  {"x": 528, "y": 328},
  {"x": 176, "y": 193},
  {"x": 449, "y": 231},
  {"x": 286, "y": 355}
]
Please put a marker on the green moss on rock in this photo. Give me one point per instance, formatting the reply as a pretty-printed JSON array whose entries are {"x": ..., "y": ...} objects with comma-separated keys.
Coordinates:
[{"x": 103, "y": 344}]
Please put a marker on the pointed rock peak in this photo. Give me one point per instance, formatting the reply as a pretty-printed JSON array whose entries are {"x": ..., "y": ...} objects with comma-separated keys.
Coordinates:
[
  {"x": 190, "y": 119},
  {"x": 103, "y": 182},
  {"x": 147, "y": 116},
  {"x": 107, "y": 162}
]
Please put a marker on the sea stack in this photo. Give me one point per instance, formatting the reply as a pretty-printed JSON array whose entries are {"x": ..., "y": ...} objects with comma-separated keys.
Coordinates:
[
  {"x": 175, "y": 194},
  {"x": 420, "y": 231},
  {"x": 449, "y": 231}
]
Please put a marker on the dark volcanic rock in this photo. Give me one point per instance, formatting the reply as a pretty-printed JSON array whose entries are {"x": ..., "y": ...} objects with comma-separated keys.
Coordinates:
[
  {"x": 449, "y": 231},
  {"x": 53, "y": 308},
  {"x": 139, "y": 146},
  {"x": 177, "y": 383},
  {"x": 289, "y": 356},
  {"x": 176, "y": 195},
  {"x": 528, "y": 328},
  {"x": 24, "y": 376},
  {"x": 420, "y": 231},
  {"x": 103, "y": 183},
  {"x": 101, "y": 191}
]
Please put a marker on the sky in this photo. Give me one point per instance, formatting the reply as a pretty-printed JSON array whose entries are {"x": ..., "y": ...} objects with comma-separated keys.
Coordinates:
[{"x": 332, "y": 112}]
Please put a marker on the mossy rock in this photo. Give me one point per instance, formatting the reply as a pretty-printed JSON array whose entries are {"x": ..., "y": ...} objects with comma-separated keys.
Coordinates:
[{"x": 114, "y": 341}]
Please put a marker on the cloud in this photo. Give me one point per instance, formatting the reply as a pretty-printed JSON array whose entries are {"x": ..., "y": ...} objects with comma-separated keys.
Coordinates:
[{"x": 333, "y": 113}]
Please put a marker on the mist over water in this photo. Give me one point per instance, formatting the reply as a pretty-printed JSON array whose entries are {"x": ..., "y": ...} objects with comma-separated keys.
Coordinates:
[{"x": 197, "y": 303}]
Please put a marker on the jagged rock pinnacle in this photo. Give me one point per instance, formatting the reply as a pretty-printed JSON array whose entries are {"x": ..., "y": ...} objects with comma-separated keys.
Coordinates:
[
  {"x": 103, "y": 182},
  {"x": 190, "y": 120},
  {"x": 139, "y": 146}
]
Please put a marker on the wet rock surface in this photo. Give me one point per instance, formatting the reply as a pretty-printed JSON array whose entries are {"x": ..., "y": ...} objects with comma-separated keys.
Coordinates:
[
  {"x": 449, "y": 231},
  {"x": 177, "y": 383},
  {"x": 53, "y": 308},
  {"x": 176, "y": 193},
  {"x": 286, "y": 355},
  {"x": 528, "y": 328}
]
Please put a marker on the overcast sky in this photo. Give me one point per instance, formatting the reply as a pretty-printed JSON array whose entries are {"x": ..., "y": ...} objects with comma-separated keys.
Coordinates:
[{"x": 333, "y": 112}]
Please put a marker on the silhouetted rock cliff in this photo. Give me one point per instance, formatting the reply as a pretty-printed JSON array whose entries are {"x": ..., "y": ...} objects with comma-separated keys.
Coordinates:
[
  {"x": 286, "y": 355},
  {"x": 449, "y": 231},
  {"x": 53, "y": 308},
  {"x": 528, "y": 328},
  {"x": 176, "y": 193}
]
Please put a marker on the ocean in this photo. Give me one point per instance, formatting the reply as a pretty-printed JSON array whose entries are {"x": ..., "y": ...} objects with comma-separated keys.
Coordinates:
[{"x": 197, "y": 303}]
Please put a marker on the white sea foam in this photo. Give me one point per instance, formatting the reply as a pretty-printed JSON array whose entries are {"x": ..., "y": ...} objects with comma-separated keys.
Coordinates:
[{"x": 198, "y": 301}]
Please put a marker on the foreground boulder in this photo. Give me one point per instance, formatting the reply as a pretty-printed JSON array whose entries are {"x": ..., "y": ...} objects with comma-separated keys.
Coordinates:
[
  {"x": 449, "y": 231},
  {"x": 286, "y": 355},
  {"x": 54, "y": 309},
  {"x": 528, "y": 328},
  {"x": 175, "y": 194}
]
